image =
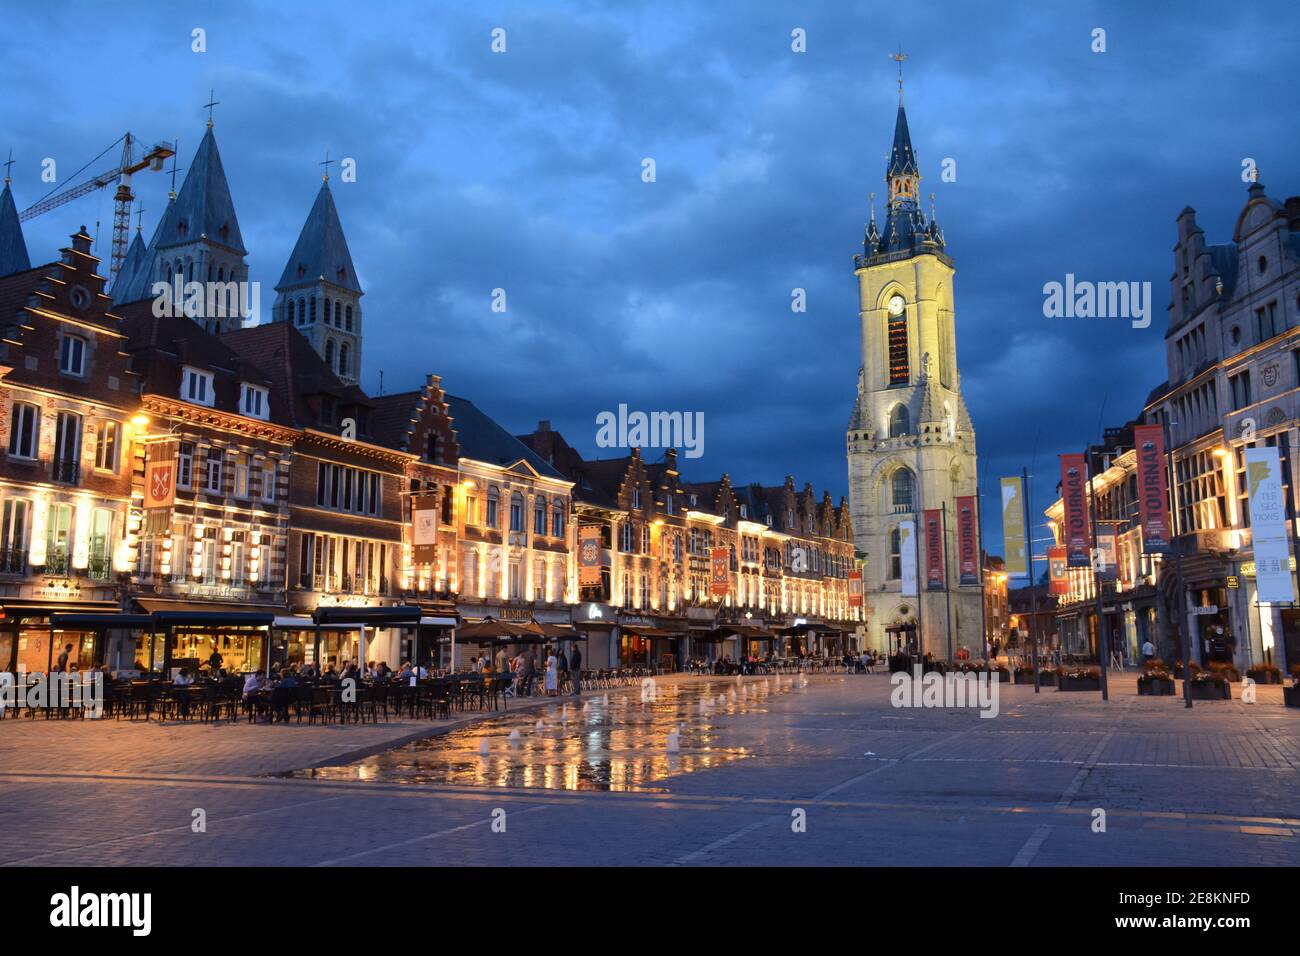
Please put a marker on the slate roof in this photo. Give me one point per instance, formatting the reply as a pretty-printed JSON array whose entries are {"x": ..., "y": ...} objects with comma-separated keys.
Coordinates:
[
  {"x": 203, "y": 204},
  {"x": 391, "y": 417},
  {"x": 13, "y": 248},
  {"x": 135, "y": 261},
  {"x": 482, "y": 439},
  {"x": 902, "y": 160},
  {"x": 321, "y": 251}
]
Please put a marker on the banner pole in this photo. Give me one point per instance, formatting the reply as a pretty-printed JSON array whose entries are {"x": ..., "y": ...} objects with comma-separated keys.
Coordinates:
[
  {"x": 1102, "y": 643},
  {"x": 947, "y": 590},
  {"x": 1029, "y": 566}
]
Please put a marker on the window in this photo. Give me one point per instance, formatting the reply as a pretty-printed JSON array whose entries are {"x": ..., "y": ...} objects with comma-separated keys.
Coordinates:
[
  {"x": 349, "y": 318},
  {"x": 493, "y": 503},
  {"x": 184, "y": 464},
  {"x": 668, "y": 503},
  {"x": 106, "y": 447},
  {"x": 302, "y": 312},
  {"x": 625, "y": 537},
  {"x": 895, "y": 555},
  {"x": 901, "y": 486},
  {"x": 72, "y": 355},
  {"x": 539, "y": 515},
  {"x": 516, "y": 512},
  {"x": 1239, "y": 386},
  {"x": 58, "y": 538},
  {"x": 196, "y": 386},
  {"x": 343, "y": 359},
  {"x": 254, "y": 401},
  {"x": 67, "y": 447},
  {"x": 348, "y": 489},
  {"x": 268, "y": 481},
  {"x": 212, "y": 476},
  {"x": 329, "y": 353},
  {"x": 896, "y": 330},
  {"x": 448, "y": 515},
  {"x": 636, "y": 497},
  {"x": 1266, "y": 324},
  {"x": 900, "y": 422},
  {"x": 99, "y": 566},
  {"x": 645, "y": 539},
  {"x": 241, "y": 477},
  {"x": 13, "y": 536},
  {"x": 431, "y": 446},
  {"x": 25, "y": 431},
  {"x": 557, "y": 514}
]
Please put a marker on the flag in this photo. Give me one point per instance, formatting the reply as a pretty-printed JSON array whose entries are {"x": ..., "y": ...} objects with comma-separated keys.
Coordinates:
[
  {"x": 968, "y": 553},
  {"x": 1059, "y": 570},
  {"x": 589, "y": 555},
  {"x": 855, "y": 589},
  {"x": 907, "y": 556},
  {"x": 720, "y": 571},
  {"x": 424, "y": 531},
  {"x": 1153, "y": 488},
  {"x": 160, "y": 476},
  {"x": 1013, "y": 527},
  {"x": 1078, "y": 531},
  {"x": 1268, "y": 526},
  {"x": 934, "y": 577}
]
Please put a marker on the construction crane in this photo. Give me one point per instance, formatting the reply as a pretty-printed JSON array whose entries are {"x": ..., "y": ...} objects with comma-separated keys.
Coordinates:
[{"x": 121, "y": 174}]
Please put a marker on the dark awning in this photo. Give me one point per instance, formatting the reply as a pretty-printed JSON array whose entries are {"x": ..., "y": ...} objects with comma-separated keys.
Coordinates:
[
  {"x": 17, "y": 609},
  {"x": 213, "y": 618},
  {"x": 376, "y": 616},
  {"x": 94, "y": 622},
  {"x": 747, "y": 631},
  {"x": 653, "y": 631}
]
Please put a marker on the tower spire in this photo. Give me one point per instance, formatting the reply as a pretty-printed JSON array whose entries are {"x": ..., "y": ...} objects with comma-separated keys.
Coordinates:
[{"x": 900, "y": 56}]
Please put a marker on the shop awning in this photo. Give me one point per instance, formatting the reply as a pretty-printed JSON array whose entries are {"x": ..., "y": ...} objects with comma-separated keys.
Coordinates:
[
  {"x": 154, "y": 605},
  {"x": 653, "y": 632},
  {"x": 294, "y": 622},
  {"x": 394, "y": 616},
  {"x": 95, "y": 622},
  {"x": 438, "y": 622},
  {"x": 208, "y": 618},
  {"x": 747, "y": 631},
  {"x": 18, "y": 609}
]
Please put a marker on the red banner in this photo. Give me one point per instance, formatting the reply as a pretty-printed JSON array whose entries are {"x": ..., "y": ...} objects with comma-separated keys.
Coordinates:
[
  {"x": 1059, "y": 570},
  {"x": 934, "y": 578},
  {"x": 160, "y": 476},
  {"x": 1078, "y": 530},
  {"x": 1153, "y": 488},
  {"x": 968, "y": 551},
  {"x": 720, "y": 571},
  {"x": 589, "y": 555},
  {"x": 855, "y": 589}
]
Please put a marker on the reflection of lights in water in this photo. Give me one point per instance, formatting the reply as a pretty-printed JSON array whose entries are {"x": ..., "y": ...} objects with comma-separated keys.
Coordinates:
[{"x": 607, "y": 748}]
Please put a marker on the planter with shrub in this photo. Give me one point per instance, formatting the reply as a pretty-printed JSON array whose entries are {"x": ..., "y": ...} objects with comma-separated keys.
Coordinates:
[
  {"x": 1208, "y": 686},
  {"x": 1264, "y": 674},
  {"x": 1080, "y": 678},
  {"x": 1155, "y": 682}
]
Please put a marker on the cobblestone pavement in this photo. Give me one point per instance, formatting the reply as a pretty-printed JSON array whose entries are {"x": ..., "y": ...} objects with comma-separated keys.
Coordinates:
[{"x": 598, "y": 782}]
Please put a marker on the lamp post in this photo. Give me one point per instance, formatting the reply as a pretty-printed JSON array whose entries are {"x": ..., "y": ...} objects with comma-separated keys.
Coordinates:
[{"x": 1184, "y": 648}]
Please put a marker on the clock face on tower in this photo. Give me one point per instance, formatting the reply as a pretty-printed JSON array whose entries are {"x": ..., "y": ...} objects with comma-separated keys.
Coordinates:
[{"x": 895, "y": 305}]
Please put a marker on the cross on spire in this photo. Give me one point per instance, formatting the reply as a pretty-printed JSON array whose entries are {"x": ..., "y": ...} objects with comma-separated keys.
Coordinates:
[
  {"x": 900, "y": 56},
  {"x": 8, "y": 164},
  {"x": 139, "y": 216},
  {"x": 212, "y": 101},
  {"x": 327, "y": 163}
]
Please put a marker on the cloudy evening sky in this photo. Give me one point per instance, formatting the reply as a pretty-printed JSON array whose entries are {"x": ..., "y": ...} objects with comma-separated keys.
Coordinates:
[{"x": 522, "y": 171}]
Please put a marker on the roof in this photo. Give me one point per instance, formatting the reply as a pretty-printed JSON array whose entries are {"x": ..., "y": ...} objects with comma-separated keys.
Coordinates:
[
  {"x": 482, "y": 439},
  {"x": 321, "y": 251},
  {"x": 135, "y": 261},
  {"x": 138, "y": 285},
  {"x": 13, "y": 248},
  {"x": 294, "y": 369},
  {"x": 902, "y": 160},
  {"x": 391, "y": 417},
  {"x": 203, "y": 207}
]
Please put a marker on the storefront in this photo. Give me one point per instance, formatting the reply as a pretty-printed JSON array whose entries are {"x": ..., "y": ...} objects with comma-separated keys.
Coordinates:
[
  {"x": 599, "y": 622},
  {"x": 26, "y": 642},
  {"x": 652, "y": 642},
  {"x": 1216, "y": 641}
]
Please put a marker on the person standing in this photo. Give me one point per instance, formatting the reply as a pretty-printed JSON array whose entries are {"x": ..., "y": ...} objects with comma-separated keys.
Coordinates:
[
  {"x": 563, "y": 667},
  {"x": 501, "y": 659},
  {"x": 62, "y": 665},
  {"x": 552, "y": 674},
  {"x": 1148, "y": 651},
  {"x": 575, "y": 670}
]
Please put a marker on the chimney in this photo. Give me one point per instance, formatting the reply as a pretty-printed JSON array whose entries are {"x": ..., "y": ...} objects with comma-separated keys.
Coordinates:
[{"x": 544, "y": 425}]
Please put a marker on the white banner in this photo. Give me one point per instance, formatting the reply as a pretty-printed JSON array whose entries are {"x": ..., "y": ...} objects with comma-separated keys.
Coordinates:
[
  {"x": 1268, "y": 526},
  {"x": 907, "y": 552}
]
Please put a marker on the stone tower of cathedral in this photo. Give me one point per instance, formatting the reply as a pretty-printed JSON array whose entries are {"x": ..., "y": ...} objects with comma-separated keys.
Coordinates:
[
  {"x": 319, "y": 292},
  {"x": 911, "y": 445}
]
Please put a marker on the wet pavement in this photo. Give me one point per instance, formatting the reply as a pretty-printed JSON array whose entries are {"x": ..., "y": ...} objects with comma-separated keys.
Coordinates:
[{"x": 621, "y": 739}]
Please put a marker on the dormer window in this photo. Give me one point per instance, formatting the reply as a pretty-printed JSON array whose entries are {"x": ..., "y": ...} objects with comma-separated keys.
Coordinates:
[
  {"x": 254, "y": 401},
  {"x": 196, "y": 386}
]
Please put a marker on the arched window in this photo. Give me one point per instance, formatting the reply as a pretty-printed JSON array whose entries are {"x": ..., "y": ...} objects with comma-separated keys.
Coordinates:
[
  {"x": 493, "y": 500},
  {"x": 221, "y": 274},
  {"x": 329, "y": 351},
  {"x": 902, "y": 487},
  {"x": 311, "y": 310},
  {"x": 557, "y": 520},
  {"x": 349, "y": 319},
  {"x": 343, "y": 359},
  {"x": 516, "y": 512},
  {"x": 539, "y": 515},
  {"x": 900, "y": 422},
  {"x": 302, "y": 311},
  {"x": 329, "y": 303}
]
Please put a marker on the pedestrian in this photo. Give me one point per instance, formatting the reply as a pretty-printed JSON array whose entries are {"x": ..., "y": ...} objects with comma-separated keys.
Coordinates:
[
  {"x": 562, "y": 664},
  {"x": 1148, "y": 651},
  {"x": 575, "y": 670},
  {"x": 552, "y": 674},
  {"x": 62, "y": 664},
  {"x": 501, "y": 660}
]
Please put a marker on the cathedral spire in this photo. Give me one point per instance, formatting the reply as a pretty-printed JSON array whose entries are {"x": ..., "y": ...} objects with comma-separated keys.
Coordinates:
[{"x": 13, "y": 248}]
